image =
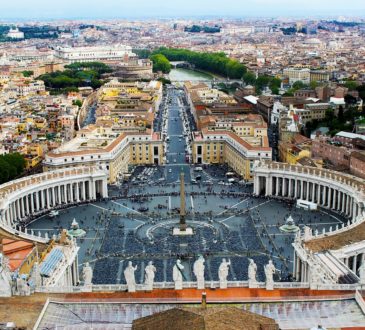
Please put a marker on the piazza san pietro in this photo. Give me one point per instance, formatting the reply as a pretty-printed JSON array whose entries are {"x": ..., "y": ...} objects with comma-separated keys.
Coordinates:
[{"x": 201, "y": 168}]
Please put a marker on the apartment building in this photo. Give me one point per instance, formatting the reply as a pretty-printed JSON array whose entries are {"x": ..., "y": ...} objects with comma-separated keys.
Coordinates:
[
  {"x": 107, "y": 150},
  {"x": 95, "y": 53},
  {"x": 224, "y": 146}
]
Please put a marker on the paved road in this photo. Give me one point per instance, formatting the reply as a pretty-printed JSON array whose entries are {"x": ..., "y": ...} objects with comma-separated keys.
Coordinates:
[{"x": 177, "y": 145}]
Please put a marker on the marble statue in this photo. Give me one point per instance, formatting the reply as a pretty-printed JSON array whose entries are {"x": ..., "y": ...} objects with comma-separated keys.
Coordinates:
[
  {"x": 199, "y": 272},
  {"x": 177, "y": 274},
  {"x": 22, "y": 288},
  {"x": 269, "y": 273},
  {"x": 223, "y": 273},
  {"x": 5, "y": 277},
  {"x": 129, "y": 277},
  {"x": 149, "y": 278},
  {"x": 252, "y": 270},
  {"x": 87, "y": 274},
  {"x": 361, "y": 271}
]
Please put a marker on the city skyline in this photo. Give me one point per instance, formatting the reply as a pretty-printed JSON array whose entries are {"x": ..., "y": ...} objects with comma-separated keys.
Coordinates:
[{"x": 81, "y": 9}]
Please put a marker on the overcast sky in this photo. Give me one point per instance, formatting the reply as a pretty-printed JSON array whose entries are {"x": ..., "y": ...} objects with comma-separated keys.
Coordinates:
[{"x": 46, "y": 9}]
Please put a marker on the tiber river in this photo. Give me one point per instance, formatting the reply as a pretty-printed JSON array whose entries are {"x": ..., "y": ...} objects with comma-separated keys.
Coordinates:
[{"x": 188, "y": 75}]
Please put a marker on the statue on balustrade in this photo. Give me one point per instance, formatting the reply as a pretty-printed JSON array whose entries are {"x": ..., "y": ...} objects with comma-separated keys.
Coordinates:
[
  {"x": 130, "y": 277},
  {"x": 361, "y": 272},
  {"x": 199, "y": 272},
  {"x": 223, "y": 273},
  {"x": 269, "y": 274},
  {"x": 87, "y": 274},
  {"x": 149, "y": 278},
  {"x": 177, "y": 275},
  {"x": 252, "y": 270}
]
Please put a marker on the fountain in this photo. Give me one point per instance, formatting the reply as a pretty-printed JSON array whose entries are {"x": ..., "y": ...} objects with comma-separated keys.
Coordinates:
[
  {"x": 75, "y": 230},
  {"x": 289, "y": 226}
]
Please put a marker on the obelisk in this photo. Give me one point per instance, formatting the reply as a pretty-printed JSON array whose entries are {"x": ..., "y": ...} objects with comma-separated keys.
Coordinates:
[
  {"x": 182, "y": 202},
  {"x": 182, "y": 229}
]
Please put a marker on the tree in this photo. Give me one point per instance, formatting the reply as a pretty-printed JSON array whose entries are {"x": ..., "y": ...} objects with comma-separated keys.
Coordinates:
[
  {"x": 299, "y": 85},
  {"x": 27, "y": 73},
  {"x": 160, "y": 63},
  {"x": 275, "y": 85},
  {"x": 313, "y": 84},
  {"x": 142, "y": 53},
  {"x": 361, "y": 90},
  {"x": 76, "y": 75},
  {"x": 78, "y": 103},
  {"x": 249, "y": 78},
  {"x": 11, "y": 165},
  {"x": 217, "y": 63},
  {"x": 350, "y": 100},
  {"x": 351, "y": 85},
  {"x": 340, "y": 114}
]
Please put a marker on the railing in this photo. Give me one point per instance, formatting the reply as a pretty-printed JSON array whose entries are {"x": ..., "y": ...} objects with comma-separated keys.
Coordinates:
[
  {"x": 56, "y": 289},
  {"x": 208, "y": 284},
  {"x": 338, "y": 229},
  {"x": 23, "y": 235},
  {"x": 15, "y": 185},
  {"x": 339, "y": 287}
]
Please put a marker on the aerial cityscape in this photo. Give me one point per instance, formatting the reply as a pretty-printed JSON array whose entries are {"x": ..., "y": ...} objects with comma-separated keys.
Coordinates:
[{"x": 182, "y": 165}]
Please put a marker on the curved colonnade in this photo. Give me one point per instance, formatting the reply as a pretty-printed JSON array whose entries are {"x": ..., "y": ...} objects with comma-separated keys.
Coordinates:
[
  {"x": 40, "y": 193},
  {"x": 331, "y": 190},
  {"x": 341, "y": 193}
]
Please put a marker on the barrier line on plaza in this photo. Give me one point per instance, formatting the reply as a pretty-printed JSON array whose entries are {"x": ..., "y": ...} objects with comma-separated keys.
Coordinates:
[
  {"x": 99, "y": 207},
  {"x": 128, "y": 208},
  {"x": 231, "y": 207}
]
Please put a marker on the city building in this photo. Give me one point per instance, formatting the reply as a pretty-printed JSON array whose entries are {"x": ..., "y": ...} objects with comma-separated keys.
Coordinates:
[
  {"x": 14, "y": 33},
  {"x": 224, "y": 146},
  {"x": 94, "y": 53},
  {"x": 110, "y": 151},
  {"x": 297, "y": 74}
]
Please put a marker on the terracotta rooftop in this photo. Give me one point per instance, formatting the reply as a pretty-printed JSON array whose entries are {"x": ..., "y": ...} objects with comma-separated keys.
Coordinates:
[
  {"x": 25, "y": 310},
  {"x": 16, "y": 251},
  {"x": 335, "y": 242},
  {"x": 214, "y": 318}
]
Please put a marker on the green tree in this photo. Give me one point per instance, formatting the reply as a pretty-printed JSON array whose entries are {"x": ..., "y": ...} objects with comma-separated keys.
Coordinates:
[
  {"x": 351, "y": 85},
  {"x": 299, "y": 85},
  {"x": 160, "y": 63},
  {"x": 27, "y": 73},
  {"x": 11, "y": 165},
  {"x": 78, "y": 103},
  {"x": 313, "y": 84},
  {"x": 217, "y": 63},
  {"x": 142, "y": 53},
  {"x": 249, "y": 78}
]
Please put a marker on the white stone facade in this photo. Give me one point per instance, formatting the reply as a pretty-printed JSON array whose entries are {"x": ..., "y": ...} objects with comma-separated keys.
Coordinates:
[
  {"x": 342, "y": 193},
  {"x": 96, "y": 53},
  {"x": 39, "y": 193}
]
